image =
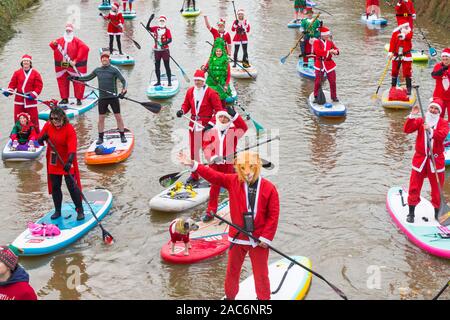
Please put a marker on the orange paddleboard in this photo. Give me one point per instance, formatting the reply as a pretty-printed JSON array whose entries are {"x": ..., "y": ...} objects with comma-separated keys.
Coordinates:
[{"x": 111, "y": 139}]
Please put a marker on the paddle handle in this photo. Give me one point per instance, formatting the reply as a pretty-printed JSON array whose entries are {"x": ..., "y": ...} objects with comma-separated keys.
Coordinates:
[{"x": 193, "y": 121}]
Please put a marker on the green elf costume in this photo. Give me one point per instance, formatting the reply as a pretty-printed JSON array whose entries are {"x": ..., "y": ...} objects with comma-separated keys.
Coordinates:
[
  {"x": 218, "y": 70},
  {"x": 299, "y": 6},
  {"x": 311, "y": 32}
]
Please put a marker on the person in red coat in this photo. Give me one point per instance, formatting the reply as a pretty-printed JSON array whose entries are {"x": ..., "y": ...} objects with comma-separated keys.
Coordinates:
[
  {"x": 241, "y": 27},
  {"x": 257, "y": 198},
  {"x": 220, "y": 32},
  {"x": 28, "y": 82},
  {"x": 218, "y": 143},
  {"x": 70, "y": 55},
  {"x": 436, "y": 128},
  {"x": 203, "y": 103},
  {"x": 62, "y": 135},
  {"x": 324, "y": 50},
  {"x": 442, "y": 76},
  {"x": 373, "y": 7},
  {"x": 115, "y": 27},
  {"x": 405, "y": 12},
  {"x": 130, "y": 5},
  {"x": 14, "y": 280},
  {"x": 400, "y": 52}
]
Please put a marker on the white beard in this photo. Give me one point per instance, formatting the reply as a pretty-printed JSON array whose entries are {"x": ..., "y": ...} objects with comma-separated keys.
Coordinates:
[
  {"x": 431, "y": 119},
  {"x": 222, "y": 126},
  {"x": 68, "y": 37},
  {"x": 162, "y": 24}
]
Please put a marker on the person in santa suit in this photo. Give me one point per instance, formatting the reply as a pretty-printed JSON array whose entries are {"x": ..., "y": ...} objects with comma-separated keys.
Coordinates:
[
  {"x": 130, "y": 5},
  {"x": 373, "y": 8},
  {"x": 28, "y": 82},
  {"x": 311, "y": 33},
  {"x": 400, "y": 53},
  {"x": 23, "y": 134},
  {"x": 161, "y": 48},
  {"x": 218, "y": 143},
  {"x": 70, "y": 55},
  {"x": 442, "y": 76},
  {"x": 241, "y": 27},
  {"x": 324, "y": 50},
  {"x": 405, "y": 12},
  {"x": 220, "y": 32},
  {"x": 64, "y": 138},
  {"x": 115, "y": 27},
  {"x": 255, "y": 198},
  {"x": 203, "y": 103},
  {"x": 436, "y": 128}
]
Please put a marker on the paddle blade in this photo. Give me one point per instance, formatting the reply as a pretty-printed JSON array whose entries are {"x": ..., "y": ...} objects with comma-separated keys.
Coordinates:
[
  {"x": 267, "y": 164},
  {"x": 433, "y": 52},
  {"x": 321, "y": 97},
  {"x": 283, "y": 59},
  {"x": 444, "y": 215},
  {"x": 258, "y": 127},
  {"x": 152, "y": 106},
  {"x": 107, "y": 237},
  {"x": 185, "y": 76},
  {"x": 169, "y": 179},
  {"x": 137, "y": 44}
]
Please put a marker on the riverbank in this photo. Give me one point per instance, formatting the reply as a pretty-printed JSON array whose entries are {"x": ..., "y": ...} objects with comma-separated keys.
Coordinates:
[
  {"x": 437, "y": 11},
  {"x": 9, "y": 11}
]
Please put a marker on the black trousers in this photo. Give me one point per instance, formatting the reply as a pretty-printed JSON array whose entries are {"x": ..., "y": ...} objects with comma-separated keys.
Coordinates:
[
  {"x": 111, "y": 43},
  {"x": 165, "y": 56},
  {"x": 236, "y": 50},
  {"x": 56, "y": 181},
  {"x": 189, "y": 3}
]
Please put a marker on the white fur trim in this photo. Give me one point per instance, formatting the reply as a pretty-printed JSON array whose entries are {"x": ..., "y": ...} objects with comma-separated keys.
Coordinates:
[
  {"x": 434, "y": 104},
  {"x": 266, "y": 241},
  {"x": 195, "y": 166},
  {"x": 445, "y": 54},
  {"x": 406, "y": 24}
]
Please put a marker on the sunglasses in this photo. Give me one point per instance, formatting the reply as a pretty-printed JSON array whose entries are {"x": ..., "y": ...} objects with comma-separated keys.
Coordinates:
[{"x": 55, "y": 119}]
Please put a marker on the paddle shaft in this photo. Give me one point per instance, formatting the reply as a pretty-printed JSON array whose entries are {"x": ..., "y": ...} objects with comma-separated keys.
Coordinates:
[
  {"x": 442, "y": 290},
  {"x": 383, "y": 76},
  {"x": 182, "y": 7},
  {"x": 21, "y": 95},
  {"x": 338, "y": 291},
  {"x": 106, "y": 91},
  {"x": 193, "y": 121}
]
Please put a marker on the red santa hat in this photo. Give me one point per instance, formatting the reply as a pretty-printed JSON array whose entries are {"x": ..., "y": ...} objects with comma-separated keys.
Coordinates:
[
  {"x": 115, "y": 6},
  {"x": 221, "y": 21},
  {"x": 104, "y": 54},
  {"x": 400, "y": 27},
  {"x": 222, "y": 113},
  {"x": 69, "y": 27},
  {"x": 199, "y": 75},
  {"x": 308, "y": 10},
  {"x": 241, "y": 11},
  {"x": 24, "y": 114},
  {"x": 26, "y": 57},
  {"x": 162, "y": 17},
  {"x": 437, "y": 103},
  {"x": 324, "y": 31},
  {"x": 445, "y": 52}
]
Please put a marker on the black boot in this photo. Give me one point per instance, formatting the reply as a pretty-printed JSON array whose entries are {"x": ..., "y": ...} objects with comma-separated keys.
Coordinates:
[
  {"x": 410, "y": 217},
  {"x": 394, "y": 82},
  {"x": 100, "y": 138},
  {"x": 64, "y": 101},
  {"x": 409, "y": 86},
  {"x": 79, "y": 103},
  {"x": 436, "y": 211},
  {"x": 315, "y": 100},
  {"x": 56, "y": 215},
  {"x": 122, "y": 137},
  {"x": 80, "y": 213}
]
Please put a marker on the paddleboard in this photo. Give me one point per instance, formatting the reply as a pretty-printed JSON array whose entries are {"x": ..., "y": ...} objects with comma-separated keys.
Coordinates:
[
  {"x": 307, "y": 72},
  {"x": 163, "y": 91},
  {"x": 330, "y": 109},
  {"x": 295, "y": 286},
  {"x": 190, "y": 12},
  {"x": 210, "y": 240},
  {"x": 310, "y": 3},
  {"x": 111, "y": 139},
  {"x": 71, "y": 229},
  {"x": 104, "y": 6},
  {"x": 295, "y": 23},
  {"x": 425, "y": 230},
  {"x": 447, "y": 156},
  {"x": 233, "y": 97},
  {"x": 72, "y": 109},
  {"x": 129, "y": 15},
  {"x": 18, "y": 156},
  {"x": 394, "y": 104},
  {"x": 119, "y": 59},
  {"x": 417, "y": 56},
  {"x": 374, "y": 20},
  {"x": 244, "y": 73}
]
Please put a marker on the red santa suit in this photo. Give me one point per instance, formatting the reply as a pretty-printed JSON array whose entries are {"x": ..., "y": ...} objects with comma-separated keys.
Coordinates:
[
  {"x": 162, "y": 35},
  {"x": 116, "y": 22},
  {"x": 217, "y": 143},
  {"x": 26, "y": 83},
  {"x": 400, "y": 46},
  {"x": 240, "y": 37},
  {"x": 65, "y": 141},
  {"x": 266, "y": 212},
  {"x": 224, "y": 35},
  {"x": 65, "y": 50},
  {"x": 422, "y": 165},
  {"x": 176, "y": 236},
  {"x": 405, "y": 12},
  {"x": 442, "y": 87},
  {"x": 323, "y": 62}
]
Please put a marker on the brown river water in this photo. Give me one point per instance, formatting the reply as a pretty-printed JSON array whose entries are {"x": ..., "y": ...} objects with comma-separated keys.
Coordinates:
[{"x": 332, "y": 176}]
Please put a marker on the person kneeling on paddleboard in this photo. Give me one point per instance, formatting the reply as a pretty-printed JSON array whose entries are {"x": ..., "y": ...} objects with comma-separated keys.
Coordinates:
[
  {"x": 107, "y": 76},
  {"x": 422, "y": 165},
  {"x": 219, "y": 142},
  {"x": 62, "y": 135},
  {"x": 23, "y": 134},
  {"x": 14, "y": 280},
  {"x": 255, "y": 207}
]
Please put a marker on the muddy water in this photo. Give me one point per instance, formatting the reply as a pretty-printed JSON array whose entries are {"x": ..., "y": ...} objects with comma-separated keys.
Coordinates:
[{"x": 332, "y": 176}]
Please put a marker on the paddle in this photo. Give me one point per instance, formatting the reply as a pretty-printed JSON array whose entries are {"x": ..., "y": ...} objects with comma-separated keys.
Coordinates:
[
  {"x": 283, "y": 59},
  {"x": 150, "y": 106},
  {"x": 337, "y": 290},
  {"x": 50, "y": 103},
  {"x": 321, "y": 100},
  {"x": 442, "y": 290},
  {"x": 444, "y": 210},
  {"x": 137, "y": 45},
  {"x": 320, "y": 9},
  {"x": 182, "y": 7},
  {"x": 107, "y": 237},
  {"x": 383, "y": 76},
  {"x": 431, "y": 50},
  {"x": 169, "y": 179},
  {"x": 179, "y": 67},
  {"x": 258, "y": 127}
]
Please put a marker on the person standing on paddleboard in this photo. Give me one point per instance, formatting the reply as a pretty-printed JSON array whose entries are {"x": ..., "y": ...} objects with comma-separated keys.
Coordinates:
[
  {"x": 107, "y": 76},
  {"x": 400, "y": 52},
  {"x": 26, "y": 81},
  {"x": 241, "y": 27},
  {"x": 405, "y": 12},
  {"x": 203, "y": 103},
  {"x": 130, "y": 5},
  {"x": 255, "y": 207},
  {"x": 64, "y": 138},
  {"x": 161, "y": 48},
  {"x": 14, "y": 280},
  {"x": 324, "y": 50},
  {"x": 70, "y": 55},
  {"x": 373, "y": 7},
  {"x": 311, "y": 33},
  {"x": 220, "y": 32},
  {"x": 115, "y": 27},
  {"x": 188, "y": 5},
  {"x": 441, "y": 74},
  {"x": 299, "y": 7},
  {"x": 422, "y": 165},
  {"x": 219, "y": 142}
]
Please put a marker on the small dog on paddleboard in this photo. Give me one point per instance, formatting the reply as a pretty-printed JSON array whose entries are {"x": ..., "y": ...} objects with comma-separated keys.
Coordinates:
[{"x": 179, "y": 230}]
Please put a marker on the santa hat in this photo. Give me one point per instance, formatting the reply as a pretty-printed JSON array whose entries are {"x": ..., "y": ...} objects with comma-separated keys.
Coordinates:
[
  {"x": 199, "y": 75},
  {"x": 324, "y": 31},
  {"x": 222, "y": 113},
  {"x": 26, "y": 115},
  {"x": 437, "y": 103},
  {"x": 221, "y": 21},
  {"x": 69, "y": 27},
  {"x": 405, "y": 25},
  {"x": 9, "y": 255},
  {"x": 162, "y": 17},
  {"x": 26, "y": 57},
  {"x": 445, "y": 52},
  {"x": 241, "y": 11},
  {"x": 115, "y": 6},
  {"x": 308, "y": 10}
]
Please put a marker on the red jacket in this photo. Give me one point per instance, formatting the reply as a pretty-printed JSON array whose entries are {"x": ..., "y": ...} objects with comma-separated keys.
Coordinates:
[
  {"x": 398, "y": 46},
  {"x": 115, "y": 25},
  {"x": 238, "y": 38},
  {"x": 267, "y": 205},
  {"x": 65, "y": 141},
  {"x": 76, "y": 50},
  {"x": 225, "y": 36},
  {"x": 162, "y": 35},
  {"x": 207, "y": 107},
  {"x": 438, "y": 135},
  {"x": 442, "y": 88},
  {"x": 17, "y": 287},
  {"x": 215, "y": 144},
  {"x": 26, "y": 83},
  {"x": 404, "y": 12},
  {"x": 324, "y": 59}
]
